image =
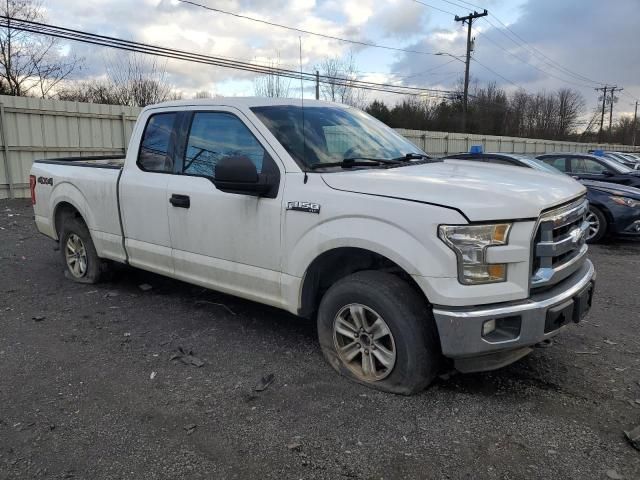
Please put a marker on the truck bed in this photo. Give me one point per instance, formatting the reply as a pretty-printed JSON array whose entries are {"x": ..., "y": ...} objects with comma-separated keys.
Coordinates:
[
  {"x": 88, "y": 184},
  {"x": 97, "y": 161}
]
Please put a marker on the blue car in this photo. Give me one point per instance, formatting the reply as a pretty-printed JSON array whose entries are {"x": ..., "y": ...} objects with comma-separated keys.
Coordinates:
[{"x": 614, "y": 209}]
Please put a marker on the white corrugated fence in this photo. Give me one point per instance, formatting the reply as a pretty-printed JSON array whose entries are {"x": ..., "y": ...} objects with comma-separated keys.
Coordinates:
[
  {"x": 442, "y": 143},
  {"x": 32, "y": 128}
]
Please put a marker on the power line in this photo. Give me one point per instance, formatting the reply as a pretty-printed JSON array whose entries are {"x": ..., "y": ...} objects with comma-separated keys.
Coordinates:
[
  {"x": 544, "y": 58},
  {"x": 471, "y": 5},
  {"x": 484, "y": 35},
  {"x": 496, "y": 73},
  {"x": 419, "y": 74},
  {"x": 138, "y": 47},
  {"x": 435, "y": 8},
  {"x": 536, "y": 52},
  {"x": 308, "y": 32},
  {"x": 462, "y": 6}
]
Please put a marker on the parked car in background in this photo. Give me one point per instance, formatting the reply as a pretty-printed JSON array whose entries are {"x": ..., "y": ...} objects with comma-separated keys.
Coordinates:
[
  {"x": 592, "y": 167},
  {"x": 613, "y": 209},
  {"x": 631, "y": 157},
  {"x": 620, "y": 157}
]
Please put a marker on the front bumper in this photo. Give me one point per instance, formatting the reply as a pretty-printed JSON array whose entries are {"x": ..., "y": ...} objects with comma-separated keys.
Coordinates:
[
  {"x": 626, "y": 221},
  {"x": 526, "y": 323}
]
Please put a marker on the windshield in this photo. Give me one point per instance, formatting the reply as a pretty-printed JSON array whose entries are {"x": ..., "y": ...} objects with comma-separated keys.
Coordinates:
[
  {"x": 333, "y": 134},
  {"x": 616, "y": 166}
]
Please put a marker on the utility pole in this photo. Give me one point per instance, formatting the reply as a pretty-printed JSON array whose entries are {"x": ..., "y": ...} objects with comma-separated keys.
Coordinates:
[
  {"x": 8, "y": 14},
  {"x": 469, "y": 21},
  {"x": 635, "y": 119},
  {"x": 604, "y": 100},
  {"x": 613, "y": 98},
  {"x": 317, "y": 85}
]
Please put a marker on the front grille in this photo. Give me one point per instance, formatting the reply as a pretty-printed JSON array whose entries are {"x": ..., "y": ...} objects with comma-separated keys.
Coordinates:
[{"x": 559, "y": 246}]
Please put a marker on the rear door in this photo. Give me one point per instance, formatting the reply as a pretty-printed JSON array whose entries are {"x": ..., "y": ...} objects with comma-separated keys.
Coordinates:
[
  {"x": 225, "y": 241},
  {"x": 143, "y": 195}
]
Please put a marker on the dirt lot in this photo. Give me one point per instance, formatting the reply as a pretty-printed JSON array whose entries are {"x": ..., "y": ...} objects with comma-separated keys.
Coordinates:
[{"x": 88, "y": 390}]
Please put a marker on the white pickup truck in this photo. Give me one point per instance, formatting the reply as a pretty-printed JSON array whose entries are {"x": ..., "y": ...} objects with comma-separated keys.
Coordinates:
[{"x": 408, "y": 263}]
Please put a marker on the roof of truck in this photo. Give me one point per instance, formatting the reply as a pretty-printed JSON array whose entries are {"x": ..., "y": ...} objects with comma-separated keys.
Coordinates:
[{"x": 246, "y": 102}]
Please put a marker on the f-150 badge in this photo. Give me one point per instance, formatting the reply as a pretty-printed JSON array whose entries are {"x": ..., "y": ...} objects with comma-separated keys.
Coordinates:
[{"x": 308, "y": 207}]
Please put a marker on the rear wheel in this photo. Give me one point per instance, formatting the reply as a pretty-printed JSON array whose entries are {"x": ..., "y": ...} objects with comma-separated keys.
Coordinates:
[
  {"x": 597, "y": 225},
  {"x": 78, "y": 252},
  {"x": 376, "y": 330}
]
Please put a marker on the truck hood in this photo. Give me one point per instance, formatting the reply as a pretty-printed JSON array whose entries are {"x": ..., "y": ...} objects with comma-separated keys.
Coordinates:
[{"x": 481, "y": 192}]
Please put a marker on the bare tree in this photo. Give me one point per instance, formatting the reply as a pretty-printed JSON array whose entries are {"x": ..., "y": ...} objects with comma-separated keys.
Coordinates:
[
  {"x": 30, "y": 61},
  {"x": 132, "y": 80},
  {"x": 139, "y": 81},
  {"x": 570, "y": 107},
  {"x": 271, "y": 84},
  {"x": 338, "y": 85},
  {"x": 91, "y": 91}
]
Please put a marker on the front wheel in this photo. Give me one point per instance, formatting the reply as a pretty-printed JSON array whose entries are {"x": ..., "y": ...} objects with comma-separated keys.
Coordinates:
[
  {"x": 377, "y": 330},
  {"x": 597, "y": 225}
]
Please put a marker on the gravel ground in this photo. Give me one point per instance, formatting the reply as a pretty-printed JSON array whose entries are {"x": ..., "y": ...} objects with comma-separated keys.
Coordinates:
[{"x": 88, "y": 390}]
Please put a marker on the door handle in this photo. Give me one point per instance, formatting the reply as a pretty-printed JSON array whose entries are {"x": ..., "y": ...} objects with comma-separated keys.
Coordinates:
[{"x": 180, "y": 201}]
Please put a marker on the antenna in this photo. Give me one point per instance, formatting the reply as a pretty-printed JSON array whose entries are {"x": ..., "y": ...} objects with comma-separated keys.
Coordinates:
[{"x": 304, "y": 130}]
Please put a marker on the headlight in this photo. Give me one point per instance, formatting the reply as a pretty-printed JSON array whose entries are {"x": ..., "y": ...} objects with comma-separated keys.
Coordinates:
[
  {"x": 626, "y": 202},
  {"x": 470, "y": 243}
]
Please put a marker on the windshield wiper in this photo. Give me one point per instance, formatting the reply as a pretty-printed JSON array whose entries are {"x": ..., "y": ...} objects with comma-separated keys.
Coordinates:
[
  {"x": 411, "y": 156},
  {"x": 354, "y": 162}
]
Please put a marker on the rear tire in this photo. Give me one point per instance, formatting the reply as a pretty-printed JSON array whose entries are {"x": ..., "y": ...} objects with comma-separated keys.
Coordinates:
[
  {"x": 597, "y": 225},
  {"x": 378, "y": 331},
  {"x": 79, "y": 255}
]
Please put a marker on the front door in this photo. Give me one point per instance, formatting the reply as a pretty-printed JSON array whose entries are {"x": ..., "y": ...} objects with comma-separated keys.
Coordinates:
[
  {"x": 225, "y": 241},
  {"x": 143, "y": 196},
  {"x": 589, "y": 169}
]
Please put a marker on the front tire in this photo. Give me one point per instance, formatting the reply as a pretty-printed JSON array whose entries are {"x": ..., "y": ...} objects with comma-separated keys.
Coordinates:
[
  {"x": 597, "y": 225},
  {"x": 79, "y": 255},
  {"x": 378, "y": 331}
]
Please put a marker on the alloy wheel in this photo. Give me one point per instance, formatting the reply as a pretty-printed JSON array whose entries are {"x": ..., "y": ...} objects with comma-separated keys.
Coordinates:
[
  {"x": 364, "y": 342},
  {"x": 76, "y": 255},
  {"x": 594, "y": 225}
]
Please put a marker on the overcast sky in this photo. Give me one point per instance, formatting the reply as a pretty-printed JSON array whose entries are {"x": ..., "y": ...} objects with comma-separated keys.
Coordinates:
[{"x": 570, "y": 43}]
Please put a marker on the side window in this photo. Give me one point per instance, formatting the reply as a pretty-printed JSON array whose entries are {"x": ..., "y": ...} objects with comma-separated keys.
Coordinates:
[
  {"x": 556, "y": 162},
  {"x": 586, "y": 165},
  {"x": 215, "y": 136},
  {"x": 154, "y": 149}
]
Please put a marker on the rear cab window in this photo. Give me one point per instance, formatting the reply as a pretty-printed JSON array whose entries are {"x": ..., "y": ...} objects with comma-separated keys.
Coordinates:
[{"x": 155, "y": 148}]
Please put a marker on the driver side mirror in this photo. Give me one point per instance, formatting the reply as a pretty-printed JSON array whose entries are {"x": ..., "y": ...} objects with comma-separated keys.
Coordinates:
[
  {"x": 238, "y": 174},
  {"x": 607, "y": 173}
]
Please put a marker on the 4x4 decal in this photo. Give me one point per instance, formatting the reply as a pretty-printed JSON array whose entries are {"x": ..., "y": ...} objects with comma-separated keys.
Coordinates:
[{"x": 45, "y": 181}]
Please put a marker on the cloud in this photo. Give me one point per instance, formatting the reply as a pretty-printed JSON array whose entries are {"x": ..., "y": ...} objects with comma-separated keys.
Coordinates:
[
  {"x": 572, "y": 43},
  {"x": 400, "y": 18},
  {"x": 584, "y": 36}
]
